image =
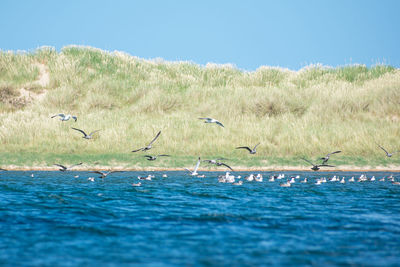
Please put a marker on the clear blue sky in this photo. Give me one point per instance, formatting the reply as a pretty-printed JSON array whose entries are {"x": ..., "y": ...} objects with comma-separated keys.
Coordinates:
[{"x": 247, "y": 34}]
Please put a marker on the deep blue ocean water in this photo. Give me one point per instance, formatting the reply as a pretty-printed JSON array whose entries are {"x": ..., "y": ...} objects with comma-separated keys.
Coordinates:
[{"x": 54, "y": 219}]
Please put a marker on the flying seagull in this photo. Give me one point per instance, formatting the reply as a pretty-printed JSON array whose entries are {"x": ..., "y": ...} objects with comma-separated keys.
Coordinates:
[
  {"x": 64, "y": 117},
  {"x": 326, "y": 158},
  {"x": 387, "y": 153},
  {"x": 64, "y": 168},
  {"x": 217, "y": 163},
  {"x": 104, "y": 174},
  {"x": 211, "y": 120},
  {"x": 194, "y": 172},
  {"x": 251, "y": 151},
  {"x": 86, "y": 136},
  {"x": 148, "y": 147},
  {"x": 315, "y": 167},
  {"x": 155, "y": 157}
]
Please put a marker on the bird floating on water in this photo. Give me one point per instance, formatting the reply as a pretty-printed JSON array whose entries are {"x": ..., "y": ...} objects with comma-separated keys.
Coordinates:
[
  {"x": 251, "y": 151},
  {"x": 64, "y": 117},
  {"x": 86, "y": 136},
  {"x": 316, "y": 167},
  {"x": 149, "y": 157},
  {"x": 148, "y": 147},
  {"x": 238, "y": 183},
  {"x": 194, "y": 172},
  {"x": 326, "y": 158},
  {"x": 211, "y": 120},
  {"x": 65, "y": 168}
]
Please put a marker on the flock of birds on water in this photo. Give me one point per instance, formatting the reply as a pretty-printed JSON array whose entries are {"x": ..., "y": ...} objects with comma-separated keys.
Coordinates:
[{"x": 227, "y": 177}]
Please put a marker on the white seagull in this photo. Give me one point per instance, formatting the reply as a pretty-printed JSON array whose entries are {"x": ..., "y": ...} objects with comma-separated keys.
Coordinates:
[
  {"x": 211, "y": 120},
  {"x": 64, "y": 117},
  {"x": 194, "y": 172}
]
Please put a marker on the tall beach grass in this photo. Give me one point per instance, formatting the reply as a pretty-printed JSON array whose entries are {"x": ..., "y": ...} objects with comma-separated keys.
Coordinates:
[{"x": 294, "y": 114}]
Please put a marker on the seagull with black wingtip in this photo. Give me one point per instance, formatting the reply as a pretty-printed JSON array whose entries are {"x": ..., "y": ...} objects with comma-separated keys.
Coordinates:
[
  {"x": 326, "y": 158},
  {"x": 387, "y": 153},
  {"x": 65, "y": 168},
  {"x": 150, "y": 158},
  {"x": 149, "y": 146},
  {"x": 251, "y": 151},
  {"x": 211, "y": 120},
  {"x": 218, "y": 163},
  {"x": 86, "y": 136},
  {"x": 316, "y": 167}
]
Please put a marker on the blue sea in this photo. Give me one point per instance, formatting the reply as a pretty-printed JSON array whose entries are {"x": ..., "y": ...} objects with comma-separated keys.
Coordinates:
[{"x": 57, "y": 219}]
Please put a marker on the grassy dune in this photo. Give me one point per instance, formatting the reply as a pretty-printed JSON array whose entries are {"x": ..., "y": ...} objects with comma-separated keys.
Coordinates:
[{"x": 305, "y": 113}]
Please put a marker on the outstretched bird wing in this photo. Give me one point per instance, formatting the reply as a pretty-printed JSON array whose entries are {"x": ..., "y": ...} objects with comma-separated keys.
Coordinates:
[
  {"x": 244, "y": 147},
  {"x": 147, "y": 156},
  {"x": 79, "y": 131},
  {"x": 197, "y": 165},
  {"x": 155, "y": 138},
  {"x": 80, "y": 163},
  {"x": 256, "y": 146},
  {"x": 61, "y": 115},
  {"x": 308, "y": 161},
  {"x": 98, "y": 172},
  {"x": 223, "y": 164},
  {"x": 93, "y": 132},
  {"x": 333, "y": 153},
  {"x": 61, "y": 166},
  {"x": 220, "y": 124},
  {"x": 140, "y": 149},
  {"x": 387, "y": 153},
  {"x": 162, "y": 155}
]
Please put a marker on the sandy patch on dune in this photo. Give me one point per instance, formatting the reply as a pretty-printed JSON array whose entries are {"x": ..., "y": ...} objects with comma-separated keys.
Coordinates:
[
  {"x": 43, "y": 80},
  {"x": 44, "y": 75}
]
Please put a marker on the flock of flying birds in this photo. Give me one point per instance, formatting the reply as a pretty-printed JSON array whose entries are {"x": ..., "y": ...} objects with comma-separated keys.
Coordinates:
[{"x": 217, "y": 162}]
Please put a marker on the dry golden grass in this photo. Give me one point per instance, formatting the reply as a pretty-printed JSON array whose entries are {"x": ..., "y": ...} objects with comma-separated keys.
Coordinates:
[{"x": 309, "y": 112}]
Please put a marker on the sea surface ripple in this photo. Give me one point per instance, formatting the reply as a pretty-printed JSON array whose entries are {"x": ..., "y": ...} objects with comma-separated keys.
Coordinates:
[{"x": 54, "y": 219}]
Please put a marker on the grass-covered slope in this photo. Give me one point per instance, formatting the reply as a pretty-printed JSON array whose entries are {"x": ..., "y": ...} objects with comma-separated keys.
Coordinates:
[{"x": 292, "y": 113}]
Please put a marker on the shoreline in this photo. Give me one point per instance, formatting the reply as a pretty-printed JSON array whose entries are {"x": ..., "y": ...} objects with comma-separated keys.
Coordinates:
[{"x": 236, "y": 169}]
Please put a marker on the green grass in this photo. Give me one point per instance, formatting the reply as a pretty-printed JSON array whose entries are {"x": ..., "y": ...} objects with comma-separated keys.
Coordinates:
[{"x": 294, "y": 114}]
